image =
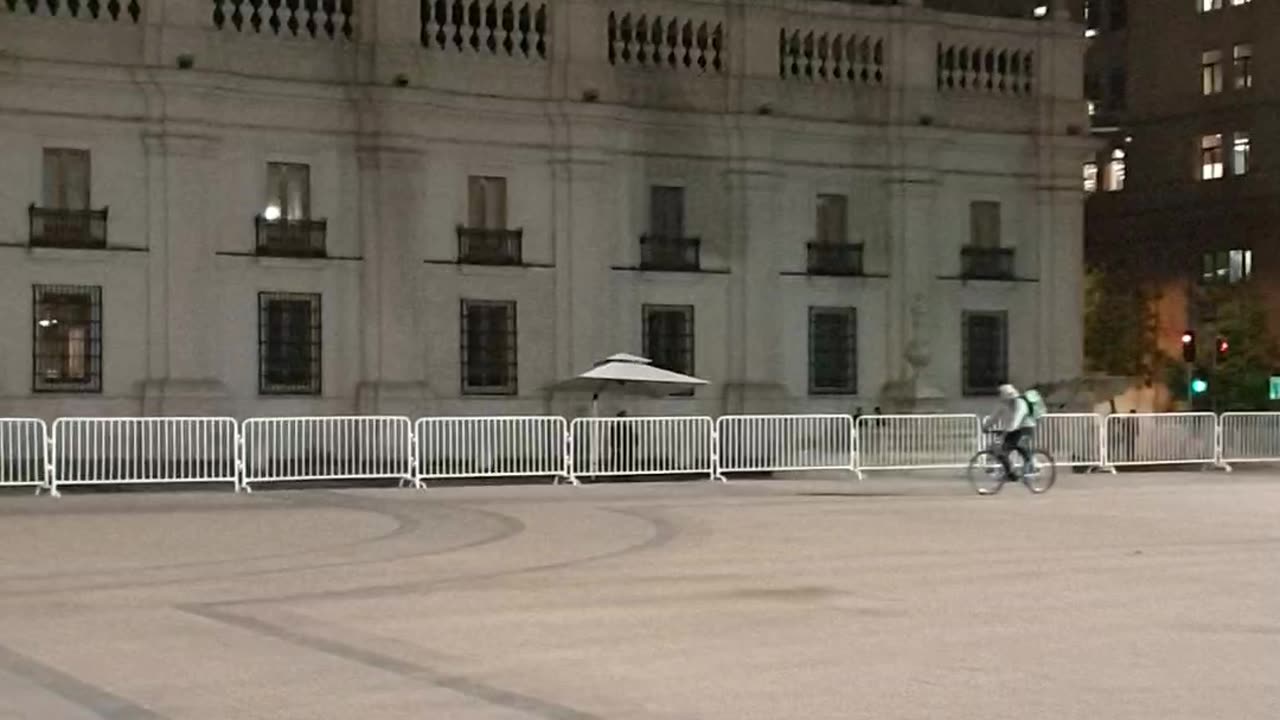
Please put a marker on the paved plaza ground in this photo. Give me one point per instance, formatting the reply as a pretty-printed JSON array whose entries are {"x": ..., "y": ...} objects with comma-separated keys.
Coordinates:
[{"x": 1133, "y": 597}]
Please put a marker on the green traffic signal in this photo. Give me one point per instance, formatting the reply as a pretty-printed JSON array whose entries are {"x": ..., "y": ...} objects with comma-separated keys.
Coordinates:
[{"x": 1199, "y": 386}]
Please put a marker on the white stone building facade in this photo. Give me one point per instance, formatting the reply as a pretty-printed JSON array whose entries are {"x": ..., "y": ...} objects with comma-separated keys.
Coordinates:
[{"x": 441, "y": 208}]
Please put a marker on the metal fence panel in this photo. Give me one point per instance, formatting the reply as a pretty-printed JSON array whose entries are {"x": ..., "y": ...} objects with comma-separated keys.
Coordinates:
[
  {"x": 917, "y": 442},
  {"x": 1250, "y": 437},
  {"x": 24, "y": 452},
  {"x": 328, "y": 448},
  {"x": 764, "y": 443},
  {"x": 1071, "y": 438},
  {"x": 642, "y": 446},
  {"x": 478, "y": 447},
  {"x": 1161, "y": 439},
  {"x": 93, "y": 451}
]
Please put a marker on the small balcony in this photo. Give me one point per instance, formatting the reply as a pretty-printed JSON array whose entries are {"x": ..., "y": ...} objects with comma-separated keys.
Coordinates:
[
  {"x": 488, "y": 246},
  {"x": 981, "y": 263},
  {"x": 841, "y": 259},
  {"x": 670, "y": 253},
  {"x": 290, "y": 238},
  {"x": 61, "y": 228}
]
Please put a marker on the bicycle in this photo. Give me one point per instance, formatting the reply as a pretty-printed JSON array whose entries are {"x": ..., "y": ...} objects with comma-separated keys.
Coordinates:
[{"x": 987, "y": 475}]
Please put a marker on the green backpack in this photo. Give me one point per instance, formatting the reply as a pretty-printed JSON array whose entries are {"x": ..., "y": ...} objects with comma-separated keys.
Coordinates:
[{"x": 1035, "y": 404}]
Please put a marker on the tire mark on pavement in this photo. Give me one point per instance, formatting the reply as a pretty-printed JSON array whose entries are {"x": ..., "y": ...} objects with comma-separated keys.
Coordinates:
[{"x": 70, "y": 688}]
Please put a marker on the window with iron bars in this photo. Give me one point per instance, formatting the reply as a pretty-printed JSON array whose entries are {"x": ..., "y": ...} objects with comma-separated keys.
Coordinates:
[
  {"x": 489, "y": 350},
  {"x": 833, "y": 351},
  {"x": 985, "y": 351},
  {"x": 668, "y": 337},
  {"x": 67, "y": 342},
  {"x": 289, "y": 348}
]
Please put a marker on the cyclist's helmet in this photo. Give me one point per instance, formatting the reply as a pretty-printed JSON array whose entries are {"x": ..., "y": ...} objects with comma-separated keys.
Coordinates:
[{"x": 1008, "y": 392}]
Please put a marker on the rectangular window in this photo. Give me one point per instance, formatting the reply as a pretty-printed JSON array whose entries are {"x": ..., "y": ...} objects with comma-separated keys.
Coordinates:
[
  {"x": 67, "y": 347},
  {"x": 833, "y": 219},
  {"x": 986, "y": 352},
  {"x": 1238, "y": 3},
  {"x": 1208, "y": 5},
  {"x": 1117, "y": 171},
  {"x": 1242, "y": 66},
  {"x": 1227, "y": 266},
  {"x": 666, "y": 211},
  {"x": 1091, "y": 177},
  {"x": 487, "y": 203},
  {"x": 1211, "y": 160},
  {"x": 66, "y": 179},
  {"x": 1240, "y": 153},
  {"x": 1091, "y": 15},
  {"x": 668, "y": 337},
  {"x": 289, "y": 333},
  {"x": 1211, "y": 72},
  {"x": 288, "y": 192},
  {"x": 833, "y": 351},
  {"x": 489, "y": 358},
  {"x": 984, "y": 224}
]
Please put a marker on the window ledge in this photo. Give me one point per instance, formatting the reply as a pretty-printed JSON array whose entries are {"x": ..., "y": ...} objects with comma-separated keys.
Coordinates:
[
  {"x": 287, "y": 261},
  {"x": 63, "y": 252}
]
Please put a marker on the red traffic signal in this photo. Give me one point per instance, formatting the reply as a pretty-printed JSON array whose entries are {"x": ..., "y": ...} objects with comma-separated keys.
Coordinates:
[
  {"x": 1189, "y": 346},
  {"x": 1223, "y": 347}
]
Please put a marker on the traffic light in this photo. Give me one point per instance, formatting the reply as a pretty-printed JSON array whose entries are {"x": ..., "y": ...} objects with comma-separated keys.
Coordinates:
[
  {"x": 1189, "y": 346},
  {"x": 1222, "y": 347},
  {"x": 1199, "y": 385}
]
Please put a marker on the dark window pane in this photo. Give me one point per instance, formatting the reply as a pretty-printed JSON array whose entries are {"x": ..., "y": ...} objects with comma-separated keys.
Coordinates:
[
  {"x": 668, "y": 337},
  {"x": 489, "y": 355},
  {"x": 67, "y": 347},
  {"x": 833, "y": 334},
  {"x": 985, "y": 352},
  {"x": 289, "y": 350}
]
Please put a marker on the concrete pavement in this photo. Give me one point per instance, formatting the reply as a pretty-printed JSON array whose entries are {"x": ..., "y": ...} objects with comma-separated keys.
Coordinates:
[{"x": 1141, "y": 597}]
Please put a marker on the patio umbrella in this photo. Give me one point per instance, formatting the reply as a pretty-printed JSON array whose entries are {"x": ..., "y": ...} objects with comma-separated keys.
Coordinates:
[{"x": 627, "y": 375}]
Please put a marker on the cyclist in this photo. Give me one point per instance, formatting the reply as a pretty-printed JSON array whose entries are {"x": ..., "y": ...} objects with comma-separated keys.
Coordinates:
[{"x": 1015, "y": 419}]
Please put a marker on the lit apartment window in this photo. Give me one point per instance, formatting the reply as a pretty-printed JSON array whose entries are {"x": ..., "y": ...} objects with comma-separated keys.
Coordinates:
[
  {"x": 1092, "y": 107},
  {"x": 489, "y": 347},
  {"x": 833, "y": 351},
  {"x": 68, "y": 338},
  {"x": 1209, "y": 5},
  {"x": 288, "y": 192},
  {"x": 1240, "y": 153},
  {"x": 1114, "y": 180},
  {"x": 1238, "y": 3},
  {"x": 1227, "y": 266},
  {"x": 1211, "y": 161},
  {"x": 1211, "y": 72},
  {"x": 1242, "y": 66},
  {"x": 1091, "y": 177},
  {"x": 289, "y": 334}
]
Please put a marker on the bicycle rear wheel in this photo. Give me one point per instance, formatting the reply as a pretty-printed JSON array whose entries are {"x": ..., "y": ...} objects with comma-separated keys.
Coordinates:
[
  {"x": 986, "y": 475},
  {"x": 1042, "y": 473}
]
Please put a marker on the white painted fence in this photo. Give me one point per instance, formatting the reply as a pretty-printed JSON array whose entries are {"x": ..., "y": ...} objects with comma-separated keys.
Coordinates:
[
  {"x": 480, "y": 447},
  {"x": 917, "y": 442},
  {"x": 327, "y": 448},
  {"x": 612, "y": 447},
  {"x": 785, "y": 443},
  {"x": 1162, "y": 439},
  {"x": 1249, "y": 437},
  {"x": 24, "y": 452},
  {"x": 110, "y": 451},
  {"x": 1072, "y": 439}
]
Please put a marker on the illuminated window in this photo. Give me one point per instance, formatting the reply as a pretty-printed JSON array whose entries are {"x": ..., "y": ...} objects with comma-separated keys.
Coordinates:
[
  {"x": 1227, "y": 266},
  {"x": 1242, "y": 66},
  {"x": 1240, "y": 153},
  {"x": 1205, "y": 6},
  {"x": 1211, "y": 161},
  {"x": 1211, "y": 72},
  {"x": 1091, "y": 177},
  {"x": 1114, "y": 180}
]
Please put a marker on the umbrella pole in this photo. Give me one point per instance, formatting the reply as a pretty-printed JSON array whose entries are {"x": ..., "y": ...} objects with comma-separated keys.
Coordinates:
[{"x": 595, "y": 433}]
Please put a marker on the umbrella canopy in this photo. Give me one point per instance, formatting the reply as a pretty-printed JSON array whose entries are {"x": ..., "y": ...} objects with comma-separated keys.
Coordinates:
[{"x": 629, "y": 374}]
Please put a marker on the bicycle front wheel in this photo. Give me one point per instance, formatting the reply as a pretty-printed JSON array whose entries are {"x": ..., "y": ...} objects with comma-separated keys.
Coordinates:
[
  {"x": 1042, "y": 473},
  {"x": 986, "y": 475}
]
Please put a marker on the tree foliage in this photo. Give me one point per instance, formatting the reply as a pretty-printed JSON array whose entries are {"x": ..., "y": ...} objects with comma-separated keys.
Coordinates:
[
  {"x": 1120, "y": 327},
  {"x": 1240, "y": 382}
]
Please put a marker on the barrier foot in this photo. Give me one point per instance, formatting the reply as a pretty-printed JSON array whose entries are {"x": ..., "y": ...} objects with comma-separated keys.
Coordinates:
[
  {"x": 415, "y": 482},
  {"x": 720, "y": 478},
  {"x": 568, "y": 480},
  {"x": 1224, "y": 467},
  {"x": 53, "y": 491}
]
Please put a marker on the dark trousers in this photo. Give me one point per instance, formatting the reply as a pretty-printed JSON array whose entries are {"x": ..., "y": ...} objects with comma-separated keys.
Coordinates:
[{"x": 1019, "y": 440}]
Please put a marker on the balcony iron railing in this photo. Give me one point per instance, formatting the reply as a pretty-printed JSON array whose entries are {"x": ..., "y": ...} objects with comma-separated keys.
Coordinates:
[
  {"x": 981, "y": 263},
  {"x": 670, "y": 253},
  {"x": 834, "y": 259},
  {"x": 62, "y": 228},
  {"x": 290, "y": 238},
  {"x": 489, "y": 246}
]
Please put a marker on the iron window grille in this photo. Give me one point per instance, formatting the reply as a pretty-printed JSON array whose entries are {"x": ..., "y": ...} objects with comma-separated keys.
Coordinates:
[
  {"x": 833, "y": 351},
  {"x": 670, "y": 253},
  {"x": 668, "y": 337},
  {"x": 986, "y": 351},
  {"x": 489, "y": 350},
  {"x": 66, "y": 228},
  {"x": 487, "y": 246},
  {"x": 983, "y": 263},
  {"x": 289, "y": 347},
  {"x": 67, "y": 338},
  {"x": 834, "y": 259}
]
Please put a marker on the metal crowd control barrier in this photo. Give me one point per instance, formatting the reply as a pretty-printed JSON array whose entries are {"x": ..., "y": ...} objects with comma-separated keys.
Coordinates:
[
  {"x": 24, "y": 453},
  {"x": 614, "y": 447},
  {"x": 1249, "y": 437},
  {"x": 1075, "y": 440},
  {"x": 110, "y": 451},
  {"x": 784, "y": 443},
  {"x": 327, "y": 448},
  {"x": 483, "y": 447},
  {"x": 1162, "y": 439},
  {"x": 917, "y": 442}
]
